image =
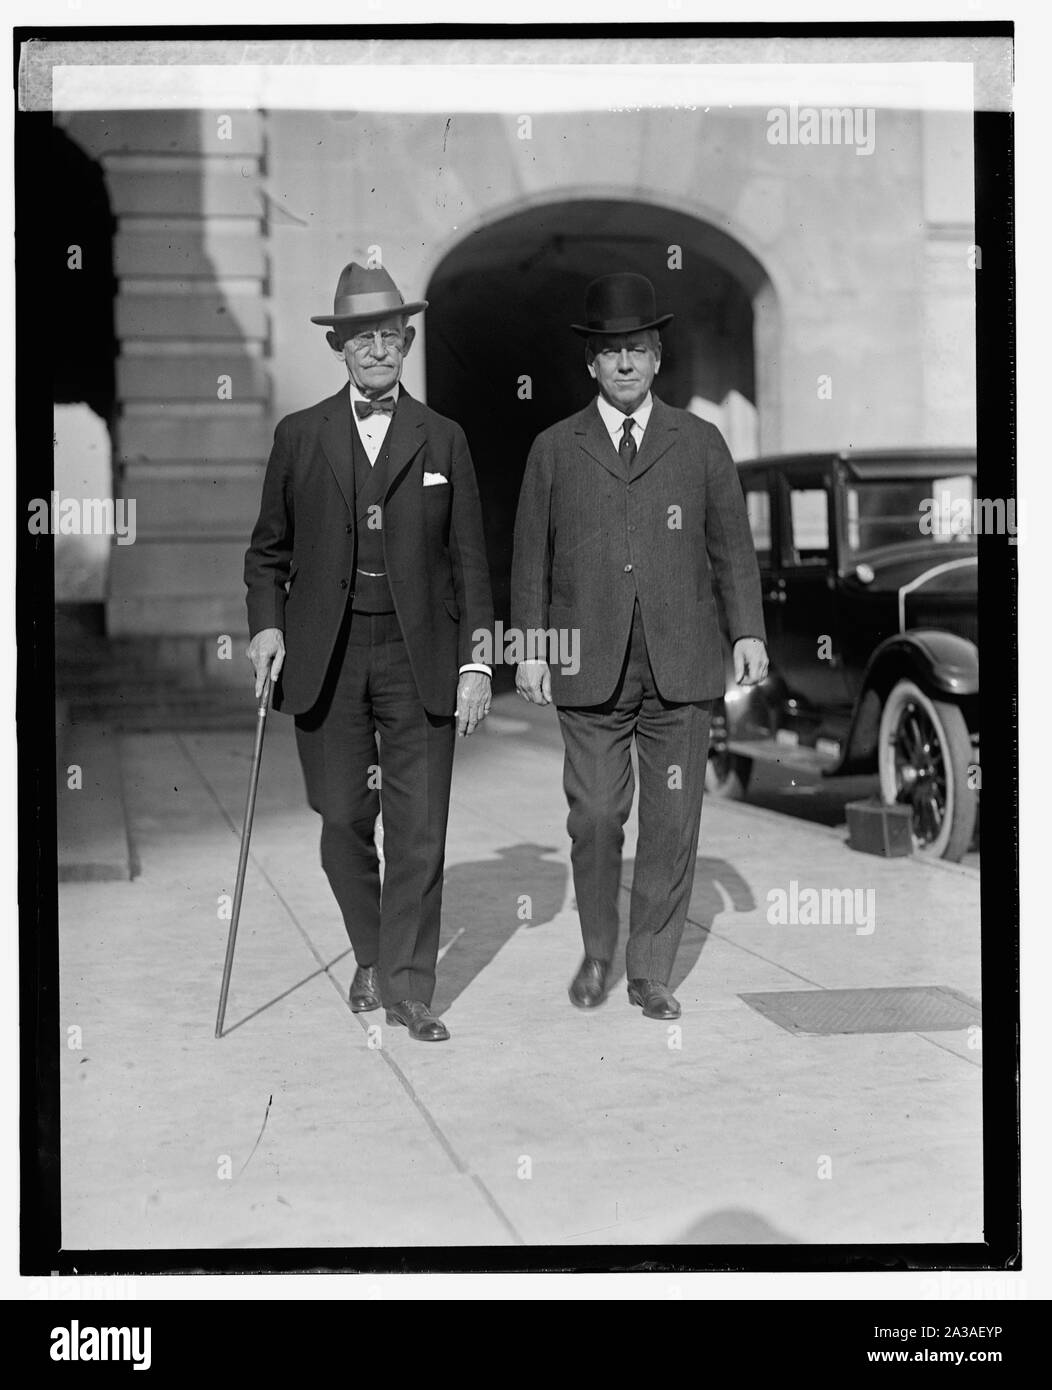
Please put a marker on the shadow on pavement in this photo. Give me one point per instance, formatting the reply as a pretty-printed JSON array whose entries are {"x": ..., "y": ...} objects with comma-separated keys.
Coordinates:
[
  {"x": 480, "y": 911},
  {"x": 706, "y": 903},
  {"x": 480, "y": 908},
  {"x": 734, "y": 1226},
  {"x": 285, "y": 993}
]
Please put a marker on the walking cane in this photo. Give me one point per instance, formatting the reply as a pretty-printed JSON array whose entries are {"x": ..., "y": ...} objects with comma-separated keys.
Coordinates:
[{"x": 242, "y": 862}]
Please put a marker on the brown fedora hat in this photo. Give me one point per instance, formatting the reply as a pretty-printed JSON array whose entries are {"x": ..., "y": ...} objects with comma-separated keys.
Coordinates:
[
  {"x": 363, "y": 293},
  {"x": 622, "y": 303}
]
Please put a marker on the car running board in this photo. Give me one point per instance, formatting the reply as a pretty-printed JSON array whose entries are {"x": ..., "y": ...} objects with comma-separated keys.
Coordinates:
[{"x": 797, "y": 756}]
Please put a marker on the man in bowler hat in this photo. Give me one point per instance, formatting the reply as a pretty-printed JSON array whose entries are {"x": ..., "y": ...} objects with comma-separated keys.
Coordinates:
[
  {"x": 631, "y": 527},
  {"x": 366, "y": 576}
]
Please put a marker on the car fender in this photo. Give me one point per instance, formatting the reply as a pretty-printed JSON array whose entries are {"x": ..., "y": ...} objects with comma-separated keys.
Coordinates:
[{"x": 943, "y": 665}]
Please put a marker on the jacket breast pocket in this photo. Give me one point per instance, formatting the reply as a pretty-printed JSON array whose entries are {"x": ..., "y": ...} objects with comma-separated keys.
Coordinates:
[{"x": 436, "y": 502}]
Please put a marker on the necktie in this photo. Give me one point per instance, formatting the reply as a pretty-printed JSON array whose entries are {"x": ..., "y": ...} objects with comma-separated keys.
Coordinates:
[
  {"x": 384, "y": 406},
  {"x": 627, "y": 447}
]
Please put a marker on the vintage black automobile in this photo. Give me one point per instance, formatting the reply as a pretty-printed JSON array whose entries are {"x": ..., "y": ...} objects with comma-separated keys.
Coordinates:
[{"x": 868, "y": 564}]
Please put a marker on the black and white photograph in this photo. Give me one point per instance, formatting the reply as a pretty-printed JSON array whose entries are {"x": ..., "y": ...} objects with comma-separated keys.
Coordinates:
[{"x": 506, "y": 587}]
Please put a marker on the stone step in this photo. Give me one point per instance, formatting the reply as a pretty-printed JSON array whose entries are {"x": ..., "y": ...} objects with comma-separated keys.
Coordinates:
[
  {"x": 93, "y": 845},
  {"x": 130, "y": 615},
  {"x": 214, "y": 437},
  {"x": 186, "y": 255},
  {"x": 142, "y": 710},
  {"x": 146, "y": 682},
  {"x": 160, "y": 570},
  {"x": 186, "y": 193},
  {"x": 147, "y": 378},
  {"x": 193, "y": 500},
  {"x": 207, "y": 316},
  {"x": 193, "y": 662}
]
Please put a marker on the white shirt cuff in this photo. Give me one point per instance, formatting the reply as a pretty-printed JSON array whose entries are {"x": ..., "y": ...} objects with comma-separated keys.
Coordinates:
[{"x": 477, "y": 667}]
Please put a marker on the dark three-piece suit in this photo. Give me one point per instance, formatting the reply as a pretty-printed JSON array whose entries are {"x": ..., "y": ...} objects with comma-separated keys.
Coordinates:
[
  {"x": 377, "y": 582},
  {"x": 632, "y": 556}
]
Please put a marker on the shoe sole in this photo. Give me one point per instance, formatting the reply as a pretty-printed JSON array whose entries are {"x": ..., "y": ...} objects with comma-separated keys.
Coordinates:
[{"x": 364, "y": 1008}]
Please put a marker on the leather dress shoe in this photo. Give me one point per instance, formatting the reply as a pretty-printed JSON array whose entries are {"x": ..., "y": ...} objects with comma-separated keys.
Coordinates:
[
  {"x": 365, "y": 993},
  {"x": 656, "y": 999},
  {"x": 589, "y": 984},
  {"x": 419, "y": 1019}
]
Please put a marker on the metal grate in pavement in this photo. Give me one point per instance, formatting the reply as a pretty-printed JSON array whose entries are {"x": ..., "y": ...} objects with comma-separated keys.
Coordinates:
[{"x": 909, "y": 1009}]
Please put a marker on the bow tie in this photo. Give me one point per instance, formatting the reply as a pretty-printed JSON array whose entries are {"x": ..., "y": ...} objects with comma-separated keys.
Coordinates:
[{"x": 384, "y": 406}]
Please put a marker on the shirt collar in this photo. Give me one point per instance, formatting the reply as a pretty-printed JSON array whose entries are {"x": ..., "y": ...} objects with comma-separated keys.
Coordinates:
[
  {"x": 614, "y": 419},
  {"x": 356, "y": 395}
]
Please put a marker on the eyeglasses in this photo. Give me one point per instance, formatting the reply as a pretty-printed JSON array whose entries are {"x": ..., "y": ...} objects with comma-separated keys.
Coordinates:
[{"x": 367, "y": 342}]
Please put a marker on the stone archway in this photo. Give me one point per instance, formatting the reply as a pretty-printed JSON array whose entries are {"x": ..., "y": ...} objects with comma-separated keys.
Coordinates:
[{"x": 502, "y": 361}]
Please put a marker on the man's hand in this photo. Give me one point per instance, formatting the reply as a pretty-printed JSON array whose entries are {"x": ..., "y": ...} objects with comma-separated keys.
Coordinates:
[
  {"x": 533, "y": 681},
  {"x": 266, "y": 652},
  {"x": 473, "y": 700},
  {"x": 750, "y": 661}
]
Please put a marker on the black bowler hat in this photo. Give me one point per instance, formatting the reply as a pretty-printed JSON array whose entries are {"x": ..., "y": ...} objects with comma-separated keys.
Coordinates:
[
  {"x": 365, "y": 293},
  {"x": 622, "y": 303}
]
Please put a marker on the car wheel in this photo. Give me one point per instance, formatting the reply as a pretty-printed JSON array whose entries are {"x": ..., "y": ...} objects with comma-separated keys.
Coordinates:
[
  {"x": 923, "y": 757},
  {"x": 727, "y": 775}
]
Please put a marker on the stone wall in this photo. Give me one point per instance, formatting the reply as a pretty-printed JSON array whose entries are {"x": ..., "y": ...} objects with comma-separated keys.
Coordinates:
[{"x": 856, "y": 267}]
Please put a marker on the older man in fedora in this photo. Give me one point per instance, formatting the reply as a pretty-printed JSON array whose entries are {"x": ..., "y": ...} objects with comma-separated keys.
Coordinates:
[
  {"x": 366, "y": 576},
  {"x": 631, "y": 527}
]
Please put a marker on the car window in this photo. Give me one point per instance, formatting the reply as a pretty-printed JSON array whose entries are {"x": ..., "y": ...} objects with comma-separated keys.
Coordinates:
[
  {"x": 890, "y": 511},
  {"x": 758, "y": 509},
  {"x": 808, "y": 525}
]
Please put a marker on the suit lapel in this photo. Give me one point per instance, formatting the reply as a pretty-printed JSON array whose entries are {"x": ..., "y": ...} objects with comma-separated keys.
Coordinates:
[
  {"x": 594, "y": 439},
  {"x": 336, "y": 443},
  {"x": 658, "y": 437},
  {"x": 405, "y": 438}
]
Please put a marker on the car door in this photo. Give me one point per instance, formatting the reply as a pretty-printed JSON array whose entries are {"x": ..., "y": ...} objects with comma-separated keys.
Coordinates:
[{"x": 808, "y": 644}]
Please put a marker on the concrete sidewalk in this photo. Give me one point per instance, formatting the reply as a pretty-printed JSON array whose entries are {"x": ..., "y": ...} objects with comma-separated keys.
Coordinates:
[{"x": 537, "y": 1124}]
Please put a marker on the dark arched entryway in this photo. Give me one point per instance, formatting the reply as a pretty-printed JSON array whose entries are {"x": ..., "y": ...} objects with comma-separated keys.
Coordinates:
[
  {"x": 80, "y": 228},
  {"x": 83, "y": 297},
  {"x": 500, "y": 307}
]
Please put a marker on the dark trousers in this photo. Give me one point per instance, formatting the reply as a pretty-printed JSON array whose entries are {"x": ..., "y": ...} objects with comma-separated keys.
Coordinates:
[
  {"x": 371, "y": 694},
  {"x": 672, "y": 745}
]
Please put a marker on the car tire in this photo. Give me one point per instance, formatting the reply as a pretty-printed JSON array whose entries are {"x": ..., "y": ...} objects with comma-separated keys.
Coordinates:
[
  {"x": 923, "y": 754},
  {"x": 727, "y": 776}
]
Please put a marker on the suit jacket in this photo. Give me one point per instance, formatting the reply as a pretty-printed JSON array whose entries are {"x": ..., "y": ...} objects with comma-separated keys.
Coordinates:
[
  {"x": 300, "y": 565},
  {"x": 589, "y": 537}
]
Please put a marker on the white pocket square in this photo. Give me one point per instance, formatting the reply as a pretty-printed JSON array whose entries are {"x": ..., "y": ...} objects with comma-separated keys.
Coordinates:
[{"x": 433, "y": 479}]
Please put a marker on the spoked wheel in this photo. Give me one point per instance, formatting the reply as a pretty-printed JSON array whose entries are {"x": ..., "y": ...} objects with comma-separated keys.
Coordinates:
[{"x": 923, "y": 758}]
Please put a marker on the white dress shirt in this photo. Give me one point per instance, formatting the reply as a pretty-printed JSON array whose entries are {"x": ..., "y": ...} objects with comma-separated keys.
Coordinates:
[
  {"x": 372, "y": 431},
  {"x": 614, "y": 419}
]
